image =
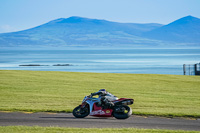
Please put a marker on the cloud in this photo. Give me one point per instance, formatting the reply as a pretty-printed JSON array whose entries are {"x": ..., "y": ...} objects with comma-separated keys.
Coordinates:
[{"x": 6, "y": 28}]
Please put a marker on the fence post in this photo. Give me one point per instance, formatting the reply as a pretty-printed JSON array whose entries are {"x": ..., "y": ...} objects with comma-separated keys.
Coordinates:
[
  {"x": 184, "y": 69},
  {"x": 199, "y": 66},
  {"x": 189, "y": 70},
  {"x": 195, "y": 69}
]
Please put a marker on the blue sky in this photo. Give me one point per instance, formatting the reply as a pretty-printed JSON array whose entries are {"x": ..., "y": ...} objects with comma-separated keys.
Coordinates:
[{"x": 18, "y": 15}]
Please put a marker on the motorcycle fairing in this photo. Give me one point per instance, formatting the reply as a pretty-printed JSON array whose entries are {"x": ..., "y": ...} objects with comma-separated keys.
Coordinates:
[
  {"x": 99, "y": 112},
  {"x": 123, "y": 99},
  {"x": 91, "y": 102}
]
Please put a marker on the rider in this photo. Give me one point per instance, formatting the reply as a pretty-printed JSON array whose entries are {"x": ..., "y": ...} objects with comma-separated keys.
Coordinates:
[{"x": 105, "y": 97}]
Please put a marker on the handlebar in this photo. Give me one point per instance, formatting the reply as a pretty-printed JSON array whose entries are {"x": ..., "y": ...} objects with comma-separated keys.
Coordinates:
[{"x": 90, "y": 96}]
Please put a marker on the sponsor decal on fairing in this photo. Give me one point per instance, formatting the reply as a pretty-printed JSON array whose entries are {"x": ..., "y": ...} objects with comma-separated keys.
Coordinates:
[{"x": 98, "y": 112}]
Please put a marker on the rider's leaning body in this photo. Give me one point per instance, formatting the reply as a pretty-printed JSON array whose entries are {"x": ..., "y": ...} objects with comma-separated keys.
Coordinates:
[{"x": 105, "y": 97}]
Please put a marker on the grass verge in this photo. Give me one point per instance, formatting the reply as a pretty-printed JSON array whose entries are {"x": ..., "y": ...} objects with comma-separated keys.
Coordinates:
[
  {"x": 36, "y": 129},
  {"x": 45, "y": 91}
]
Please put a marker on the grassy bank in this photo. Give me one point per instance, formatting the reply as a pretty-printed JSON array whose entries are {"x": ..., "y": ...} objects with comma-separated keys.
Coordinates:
[
  {"x": 162, "y": 95},
  {"x": 24, "y": 129}
]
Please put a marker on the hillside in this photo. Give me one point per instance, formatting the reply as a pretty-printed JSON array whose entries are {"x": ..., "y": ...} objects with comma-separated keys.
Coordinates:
[
  {"x": 186, "y": 29},
  {"x": 78, "y": 31}
]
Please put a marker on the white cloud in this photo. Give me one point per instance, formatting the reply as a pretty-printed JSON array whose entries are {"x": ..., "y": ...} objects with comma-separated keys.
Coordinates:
[{"x": 6, "y": 28}]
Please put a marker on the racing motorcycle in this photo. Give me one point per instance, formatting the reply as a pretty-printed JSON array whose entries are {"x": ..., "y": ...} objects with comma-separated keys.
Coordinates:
[{"x": 90, "y": 106}]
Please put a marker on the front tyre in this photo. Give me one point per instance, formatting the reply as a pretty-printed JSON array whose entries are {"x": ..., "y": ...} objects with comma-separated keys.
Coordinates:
[
  {"x": 79, "y": 112},
  {"x": 122, "y": 112}
]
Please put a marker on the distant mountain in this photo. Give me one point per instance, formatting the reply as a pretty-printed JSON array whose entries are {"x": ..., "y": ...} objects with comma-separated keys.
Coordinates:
[
  {"x": 78, "y": 31},
  {"x": 186, "y": 29}
]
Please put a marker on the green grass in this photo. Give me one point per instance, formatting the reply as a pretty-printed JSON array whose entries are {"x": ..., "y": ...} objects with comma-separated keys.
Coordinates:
[
  {"x": 159, "y": 95},
  {"x": 36, "y": 129}
]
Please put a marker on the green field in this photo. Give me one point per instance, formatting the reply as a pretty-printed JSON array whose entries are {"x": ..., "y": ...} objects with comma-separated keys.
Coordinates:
[
  {"x": 25, "y": 129},
  {"x": 159, "y": 95}
]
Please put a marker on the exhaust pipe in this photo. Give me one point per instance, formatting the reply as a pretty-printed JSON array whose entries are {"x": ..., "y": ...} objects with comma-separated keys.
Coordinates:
[{"x": 128, "y": 102}]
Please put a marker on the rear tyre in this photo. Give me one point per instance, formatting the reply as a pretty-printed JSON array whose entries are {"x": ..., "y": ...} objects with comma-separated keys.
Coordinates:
[
  {"x": 79, "y": 112},
  {"x": 122, "y": 112}
]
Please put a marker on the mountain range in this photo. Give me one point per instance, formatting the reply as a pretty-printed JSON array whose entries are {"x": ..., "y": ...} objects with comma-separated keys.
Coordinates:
[
  {"x": 79, "y": 31},
  {"x": 186, "y": 29}
]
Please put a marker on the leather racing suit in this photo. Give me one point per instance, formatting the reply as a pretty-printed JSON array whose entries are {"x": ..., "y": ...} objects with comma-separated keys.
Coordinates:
[{"x": 105, "y": 98}]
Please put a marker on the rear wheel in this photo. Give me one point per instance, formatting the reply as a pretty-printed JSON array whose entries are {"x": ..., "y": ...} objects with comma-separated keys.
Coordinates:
[
  {"x": 79, "y": 112},
  {"x": 122, "y": 112}
]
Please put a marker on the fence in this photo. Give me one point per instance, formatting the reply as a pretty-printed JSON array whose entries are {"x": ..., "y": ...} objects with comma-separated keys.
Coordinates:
[{"x": 191, "y": 69}]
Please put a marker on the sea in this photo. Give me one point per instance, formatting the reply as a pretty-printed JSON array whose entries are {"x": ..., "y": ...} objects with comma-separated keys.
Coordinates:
[{"x": 100, "y": 60}]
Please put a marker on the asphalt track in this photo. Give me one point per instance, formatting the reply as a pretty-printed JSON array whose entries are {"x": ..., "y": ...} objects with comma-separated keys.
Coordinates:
[{"x": 67, "y": 120}]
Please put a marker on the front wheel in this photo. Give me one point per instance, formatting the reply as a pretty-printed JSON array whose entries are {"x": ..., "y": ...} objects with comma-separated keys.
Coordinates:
[
  {"x": 79, "y": 112},
  {"x": 122, "y": 112}
]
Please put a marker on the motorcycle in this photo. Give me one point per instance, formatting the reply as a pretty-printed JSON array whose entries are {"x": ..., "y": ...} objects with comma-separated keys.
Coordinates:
[{"x": 90, "y": 106}]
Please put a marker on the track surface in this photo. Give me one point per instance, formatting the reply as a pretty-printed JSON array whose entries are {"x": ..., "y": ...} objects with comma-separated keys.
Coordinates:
[{"x": 67, "y": 120}]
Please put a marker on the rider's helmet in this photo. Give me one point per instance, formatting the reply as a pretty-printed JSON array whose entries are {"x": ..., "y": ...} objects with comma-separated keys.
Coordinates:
[{"x": 102, "y": 90}]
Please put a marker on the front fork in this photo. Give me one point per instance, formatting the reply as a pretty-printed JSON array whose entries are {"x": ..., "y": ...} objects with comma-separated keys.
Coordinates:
[{"x": 83, "y": 108}]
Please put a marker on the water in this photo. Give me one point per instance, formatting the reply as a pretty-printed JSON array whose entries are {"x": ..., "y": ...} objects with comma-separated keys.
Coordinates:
[{"x": 143, "y": 61}]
